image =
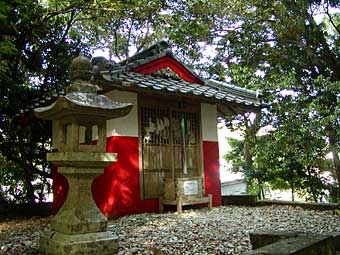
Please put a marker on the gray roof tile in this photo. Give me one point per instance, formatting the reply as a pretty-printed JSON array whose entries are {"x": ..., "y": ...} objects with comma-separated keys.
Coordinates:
[
  {"x": 111, "y": 72},
  {"x": 219, "y": 91},
  {"x": 212, "y": 89}
]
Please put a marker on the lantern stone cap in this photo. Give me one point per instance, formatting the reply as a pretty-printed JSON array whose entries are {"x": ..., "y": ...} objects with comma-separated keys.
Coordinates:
[
  {"x": 83, "y": 104},
  {"x": 81, "y": 99}
]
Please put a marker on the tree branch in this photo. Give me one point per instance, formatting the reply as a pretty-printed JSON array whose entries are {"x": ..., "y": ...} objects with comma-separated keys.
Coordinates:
[
  {"x": 116, "y": 42},
  {"x": 68, "y": 9},
  {"x": 144, "y": 39},
  {"x": 129, "y": 38},
  {"x": 69, "y": 24},
  {"x": 331, "y": 20}
]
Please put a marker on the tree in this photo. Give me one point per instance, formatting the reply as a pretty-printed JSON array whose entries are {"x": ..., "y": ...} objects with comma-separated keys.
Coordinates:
[
  {"x": 123, "y": 27},
  {"x": 35, "y": 51},
  {"x": 255, "y": 177},
  {"x": 281, "y": 38},
  {"x": 285, "y": 158}
]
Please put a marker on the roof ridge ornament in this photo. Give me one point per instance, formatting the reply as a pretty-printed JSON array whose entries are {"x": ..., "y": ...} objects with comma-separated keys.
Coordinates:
[{"x": 155, "y": 49}]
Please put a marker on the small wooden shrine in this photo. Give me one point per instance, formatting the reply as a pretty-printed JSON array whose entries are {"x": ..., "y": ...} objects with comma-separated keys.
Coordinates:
[{"x": 167, "y": 145}]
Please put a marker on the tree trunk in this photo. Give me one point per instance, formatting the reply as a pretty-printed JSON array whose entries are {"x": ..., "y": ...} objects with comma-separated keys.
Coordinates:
[
  {"x": 262, "y": 191},
  {"x": 252, "y": 126},
  {"x": 259, "y": 194},
  {"x": 311, "y": 187},
  {"x": 292, "y": 187},
  {"x": 29, "y": 189},
  {"x": 2, "y": 198},
  {"x": 334, "y": 151},
  {"x": 28, "y": 177},
  {"x": 248, "y": 157}
]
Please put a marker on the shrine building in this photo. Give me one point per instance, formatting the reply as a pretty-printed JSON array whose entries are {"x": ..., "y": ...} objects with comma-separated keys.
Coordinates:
[{"x": 167, "y": 146}]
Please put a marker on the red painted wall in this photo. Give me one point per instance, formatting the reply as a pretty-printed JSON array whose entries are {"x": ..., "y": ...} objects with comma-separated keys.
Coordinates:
[
  {"x": 212, "y": 172},
  {"x": 117, "y": 191}
]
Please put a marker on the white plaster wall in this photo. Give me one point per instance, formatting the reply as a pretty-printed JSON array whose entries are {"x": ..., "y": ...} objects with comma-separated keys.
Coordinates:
[
  {"x": 127, "y": 125},
  {"x": 209, "y": 122}
]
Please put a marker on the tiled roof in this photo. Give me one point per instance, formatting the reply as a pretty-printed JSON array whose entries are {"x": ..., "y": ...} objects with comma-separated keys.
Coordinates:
[
  {"x": 230, "y": 98},
  {"x": 221, "y": 92},
  {"x": 218, "y": 91},
  {"x": 156, "y": 51},
  {"x": 39, "y": 102}
]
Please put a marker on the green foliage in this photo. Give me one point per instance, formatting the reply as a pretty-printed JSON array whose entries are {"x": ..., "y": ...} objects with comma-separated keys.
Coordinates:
[
  {"x": 297, "y": 60},
  {"x": 122, "y": 27},
  {"x": 35, "y": 52},
  {"x": 283, "y": 159}
]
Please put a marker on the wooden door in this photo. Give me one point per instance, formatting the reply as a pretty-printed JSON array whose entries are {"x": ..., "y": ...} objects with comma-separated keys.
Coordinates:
[
  {"x": 190, "y": 146},
  {"x": 156, "y": 148},
  {"x": 163, "y": 148}
]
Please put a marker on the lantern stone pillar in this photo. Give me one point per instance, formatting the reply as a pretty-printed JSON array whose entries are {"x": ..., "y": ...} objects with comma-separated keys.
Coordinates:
[{"x": 79, "y": 227}]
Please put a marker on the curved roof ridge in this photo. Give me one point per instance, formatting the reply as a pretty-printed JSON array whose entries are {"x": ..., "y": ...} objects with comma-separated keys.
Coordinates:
[
  {"x": 155, "y": 49},
  {"x": 225, "y": 85}
]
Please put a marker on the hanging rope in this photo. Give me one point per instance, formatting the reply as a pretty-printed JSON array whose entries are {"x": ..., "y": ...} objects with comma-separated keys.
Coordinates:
[{"x": 183, "y": 143}]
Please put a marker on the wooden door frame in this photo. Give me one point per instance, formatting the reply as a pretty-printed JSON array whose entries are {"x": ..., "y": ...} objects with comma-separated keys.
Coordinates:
[{"x": 171, "y": 104}]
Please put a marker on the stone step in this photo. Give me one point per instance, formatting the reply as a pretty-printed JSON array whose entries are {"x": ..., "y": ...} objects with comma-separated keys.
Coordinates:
[{"x": 277, "y": 243}]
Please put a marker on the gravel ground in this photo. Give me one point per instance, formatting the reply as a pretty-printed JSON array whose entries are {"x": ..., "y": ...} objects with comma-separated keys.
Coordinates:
[{"x": 222, "y": 230}]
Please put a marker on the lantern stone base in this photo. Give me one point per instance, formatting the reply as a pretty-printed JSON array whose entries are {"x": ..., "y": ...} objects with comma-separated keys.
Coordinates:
[{"x": 56, "y": 243}]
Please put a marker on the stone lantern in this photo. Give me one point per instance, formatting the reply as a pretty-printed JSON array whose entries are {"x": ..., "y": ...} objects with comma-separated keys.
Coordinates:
[{"x": 80, "y": 227}]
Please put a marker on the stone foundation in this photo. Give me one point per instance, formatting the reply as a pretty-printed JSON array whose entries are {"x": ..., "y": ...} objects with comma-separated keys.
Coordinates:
[
  {"x": 55, "y": 243},
  {"x": 245, "y": 200},
  {"x": 289, "y": 243}
]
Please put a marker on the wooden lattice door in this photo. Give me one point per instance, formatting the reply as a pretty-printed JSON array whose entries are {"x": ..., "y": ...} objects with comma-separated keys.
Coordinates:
[
  {"x": 164, "y": 155},
  {"x": 186, "y": 163},
  {"x": 156, "y": 149}
]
